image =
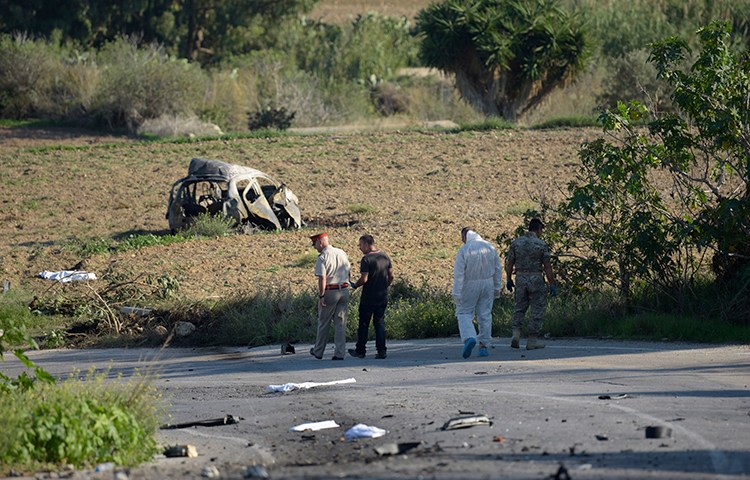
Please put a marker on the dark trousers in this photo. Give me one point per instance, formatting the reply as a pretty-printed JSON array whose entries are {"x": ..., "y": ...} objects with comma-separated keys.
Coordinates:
[{"x": 377, "y": 314}]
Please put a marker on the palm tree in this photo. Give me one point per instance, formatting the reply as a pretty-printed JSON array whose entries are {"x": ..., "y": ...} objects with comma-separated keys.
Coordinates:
[{"x": 507, "y": 55}]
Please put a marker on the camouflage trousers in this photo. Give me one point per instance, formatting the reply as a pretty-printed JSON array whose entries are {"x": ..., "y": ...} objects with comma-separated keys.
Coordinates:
[{"x": 531, "y": 291}]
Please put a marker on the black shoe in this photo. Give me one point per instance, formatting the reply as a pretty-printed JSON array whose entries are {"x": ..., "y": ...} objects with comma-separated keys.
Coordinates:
[
  {"x": 312, "y": 352},
  {"x": 353, "y": 352},
  {"x": 380, "y": 355},
  {"x": 337, "y": 358}
]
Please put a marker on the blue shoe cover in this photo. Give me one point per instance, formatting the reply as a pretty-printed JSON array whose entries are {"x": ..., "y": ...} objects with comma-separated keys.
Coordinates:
[
  {"x": 469, "y": 345},
  {"x": 483, "y": 352}
]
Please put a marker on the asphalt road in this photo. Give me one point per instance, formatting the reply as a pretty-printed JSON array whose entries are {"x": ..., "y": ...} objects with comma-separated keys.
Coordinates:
[{"x": 544, "y": 406}]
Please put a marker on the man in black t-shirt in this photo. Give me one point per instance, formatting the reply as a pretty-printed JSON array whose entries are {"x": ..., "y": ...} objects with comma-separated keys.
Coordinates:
[{"x": 376, "y": 274}]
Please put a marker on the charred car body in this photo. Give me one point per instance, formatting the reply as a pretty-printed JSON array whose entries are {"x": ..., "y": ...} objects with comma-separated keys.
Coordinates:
[{"x": 249, "y": 196}]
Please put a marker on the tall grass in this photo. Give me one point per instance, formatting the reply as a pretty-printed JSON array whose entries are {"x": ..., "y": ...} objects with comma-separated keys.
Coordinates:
[{"x": 280, "y": 316}]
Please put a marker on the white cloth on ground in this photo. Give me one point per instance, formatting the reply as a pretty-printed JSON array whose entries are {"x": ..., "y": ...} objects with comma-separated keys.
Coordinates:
[
  {"x": 315, "y": 426},
  {"x": 65, "y": 276},
  {"x": 361, "y": 430},
  {"x": 288, "y": 387}
]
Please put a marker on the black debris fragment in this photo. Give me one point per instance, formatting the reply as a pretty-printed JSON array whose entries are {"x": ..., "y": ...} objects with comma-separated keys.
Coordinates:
[
  {"x": 658, "y": 431},
  {"x": 226, "y": 420}
]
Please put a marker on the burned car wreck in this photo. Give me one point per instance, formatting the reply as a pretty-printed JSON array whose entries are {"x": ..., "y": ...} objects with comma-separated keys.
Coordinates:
[{"x": 249, "y": 196}]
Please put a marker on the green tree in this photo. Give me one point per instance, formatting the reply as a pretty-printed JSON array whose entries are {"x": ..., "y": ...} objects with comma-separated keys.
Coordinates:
[
  {"x": 220, "y": 28},
  {"x": 507, "y": 55},
  {"x": 197, "y": 30},
  {"x": 706, "y": 146},
  {"x": 619, "y": 228}
]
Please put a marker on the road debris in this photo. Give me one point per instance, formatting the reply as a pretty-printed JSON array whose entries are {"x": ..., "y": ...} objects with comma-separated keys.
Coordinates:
[
  {"x": 287, "y": 349},
  {"x": 210, "y": 471},
  {"x": 361, "y": 430},
  {"x": 256, "y": 471},
  {"x": 396, "y": 448},
  {"x": 288, "y": 387},
  {"x": 601, "y": 438},
  {"x": 467, "y": 421},
  {"x": 314, "y": 426},
  {"x": 181, "y": 451},
  {"x": 215, "y": 422},
  {"x": 614, "y": 397},
  {"x": 658, "y": 431}
]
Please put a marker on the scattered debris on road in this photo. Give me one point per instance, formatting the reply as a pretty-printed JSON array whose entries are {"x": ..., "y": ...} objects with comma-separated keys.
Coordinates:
[
  {"x": 256, "y": 471},
  {"x": 396, "y": 448},
  {"x": 614, "y": 397},
  {"x": 315, "y": 426},
  {"x": 225, "y": 420},
  {"x": 181, "y": 451},
  {"x": 288, "y": 387},
  {"x": 467, "y": 421},
  {"x": 658, "y": 431},
  {"x": 210, "y": 471},
  {"x": 361, "y": 430}
]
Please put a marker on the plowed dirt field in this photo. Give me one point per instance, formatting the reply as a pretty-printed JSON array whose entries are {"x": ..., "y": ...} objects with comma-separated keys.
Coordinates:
[{"x": 412, "y": 190}]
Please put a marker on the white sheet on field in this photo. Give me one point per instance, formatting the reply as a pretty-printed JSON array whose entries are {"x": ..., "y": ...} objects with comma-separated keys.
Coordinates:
[
  {"x": 288, "y": 387},
  {"x": 65, "y": 276}
]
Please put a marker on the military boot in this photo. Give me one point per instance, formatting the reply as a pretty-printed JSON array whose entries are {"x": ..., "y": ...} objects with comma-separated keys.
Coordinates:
[
  {"x": 516, "y": 340},
  {"x": 533, "y": 343}
]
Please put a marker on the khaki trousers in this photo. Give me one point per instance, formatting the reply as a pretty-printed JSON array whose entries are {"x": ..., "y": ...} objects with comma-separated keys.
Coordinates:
[{"x": 336, "y": 309}]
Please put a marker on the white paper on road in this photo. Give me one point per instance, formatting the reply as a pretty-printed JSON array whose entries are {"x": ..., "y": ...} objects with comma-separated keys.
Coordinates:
[
  {"x": 361, "y": 430},
  {"x": 315, "y": 426},
  {"x": 288, "y": 387},
  {"x": 65, "y": 276}
]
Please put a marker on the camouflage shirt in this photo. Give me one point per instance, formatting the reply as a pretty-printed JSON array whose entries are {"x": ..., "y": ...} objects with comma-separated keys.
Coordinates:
[{"x": 528, "y": 254}]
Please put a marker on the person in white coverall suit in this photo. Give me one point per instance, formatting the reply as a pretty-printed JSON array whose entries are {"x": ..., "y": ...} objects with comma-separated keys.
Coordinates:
[{"x": 477, "y": 281}]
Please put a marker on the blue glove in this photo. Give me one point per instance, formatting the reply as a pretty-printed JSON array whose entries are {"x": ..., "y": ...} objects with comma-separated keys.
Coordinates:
[
  {"x": 553, "y": 290},
  {"x": 509, "y": 285}
]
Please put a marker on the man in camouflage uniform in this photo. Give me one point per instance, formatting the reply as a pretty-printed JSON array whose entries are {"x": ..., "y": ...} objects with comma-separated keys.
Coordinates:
[{"x": 530, "y": 257}]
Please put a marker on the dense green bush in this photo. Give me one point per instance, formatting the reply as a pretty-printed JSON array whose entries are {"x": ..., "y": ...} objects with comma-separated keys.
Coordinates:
[
  {"x": 377, "y": 46},
  {"x": 270, "y": 117},
  {"x": 15, "y": 336},
  {"x": 81, "y": 423}
]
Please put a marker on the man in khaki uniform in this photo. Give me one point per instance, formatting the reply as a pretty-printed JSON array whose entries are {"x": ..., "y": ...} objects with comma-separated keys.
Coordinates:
[
  {"x": 332, "y": 270},
  {"x": 530, "y": 257}
]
